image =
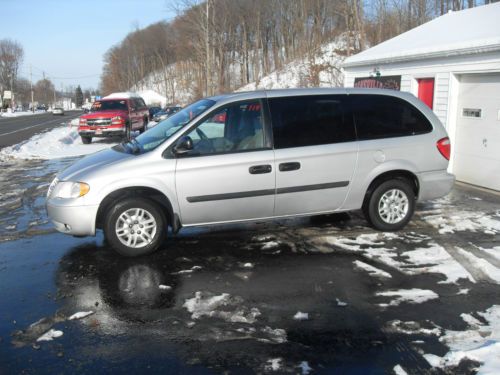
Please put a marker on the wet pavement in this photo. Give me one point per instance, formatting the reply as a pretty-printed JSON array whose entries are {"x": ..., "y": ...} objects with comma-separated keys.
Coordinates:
[{"x": 311, "y": 295}]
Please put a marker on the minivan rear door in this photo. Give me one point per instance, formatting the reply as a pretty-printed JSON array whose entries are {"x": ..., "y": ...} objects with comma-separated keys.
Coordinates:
[
  {"x": 229, "y": 174},
  {"x": 315, "y": 152}
]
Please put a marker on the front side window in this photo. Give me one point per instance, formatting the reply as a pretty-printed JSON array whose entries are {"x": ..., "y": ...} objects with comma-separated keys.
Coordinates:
[
  {"x": 155, "y": 136},
  {"x": 310, "y": 120},
  {"x": 236, "y": 127},
  {"x": 383, "y": 116}
]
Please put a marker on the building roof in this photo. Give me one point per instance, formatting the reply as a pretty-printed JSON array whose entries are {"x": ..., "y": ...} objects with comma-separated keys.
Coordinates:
[{"x": 468, "y": 31}]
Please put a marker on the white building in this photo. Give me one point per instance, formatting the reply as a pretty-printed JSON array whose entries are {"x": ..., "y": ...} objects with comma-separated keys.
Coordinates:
[{"x": 452, "y": 63}]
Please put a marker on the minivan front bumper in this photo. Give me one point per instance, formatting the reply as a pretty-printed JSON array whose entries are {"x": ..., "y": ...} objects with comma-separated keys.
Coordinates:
[
  {"x": 435, "y": 184},
  {"x": 74, "y": 220}
]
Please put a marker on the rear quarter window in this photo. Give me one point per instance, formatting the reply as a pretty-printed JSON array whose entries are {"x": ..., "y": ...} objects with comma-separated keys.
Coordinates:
[{"x": 381, "y": 116}]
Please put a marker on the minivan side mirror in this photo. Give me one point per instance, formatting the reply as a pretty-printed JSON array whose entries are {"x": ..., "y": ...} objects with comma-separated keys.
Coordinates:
[{"x": 183, "y": 145}]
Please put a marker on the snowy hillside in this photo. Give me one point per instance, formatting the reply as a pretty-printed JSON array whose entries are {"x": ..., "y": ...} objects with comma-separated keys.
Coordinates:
[{"x": 321, "y": 70}]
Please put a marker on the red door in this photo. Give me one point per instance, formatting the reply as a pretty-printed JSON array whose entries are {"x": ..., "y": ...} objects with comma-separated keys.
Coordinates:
[{"x": 426, "y": 91}]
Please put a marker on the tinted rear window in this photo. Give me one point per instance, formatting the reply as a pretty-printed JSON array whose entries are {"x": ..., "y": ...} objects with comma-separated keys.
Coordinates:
[
  {"x": 380, "y": 116},
  {"x": 310, "y": 120}
]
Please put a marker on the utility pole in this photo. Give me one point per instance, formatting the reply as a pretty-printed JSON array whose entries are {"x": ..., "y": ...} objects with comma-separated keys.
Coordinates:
[
  {"x": 11, "y": 92},
  {"x": 32, "y": 96},
  {"x": 208, "y": 49}
]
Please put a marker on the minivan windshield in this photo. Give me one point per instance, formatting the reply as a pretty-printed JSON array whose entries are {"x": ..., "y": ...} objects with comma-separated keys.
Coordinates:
[{"x": 165, "y": 129}]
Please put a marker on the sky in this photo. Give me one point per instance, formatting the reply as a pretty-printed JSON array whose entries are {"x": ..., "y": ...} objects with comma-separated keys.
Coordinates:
[{"x": 67, "y": 39}]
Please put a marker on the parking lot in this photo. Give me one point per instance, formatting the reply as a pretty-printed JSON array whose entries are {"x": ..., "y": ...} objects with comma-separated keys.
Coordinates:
[{"x": 306, "y": 295}]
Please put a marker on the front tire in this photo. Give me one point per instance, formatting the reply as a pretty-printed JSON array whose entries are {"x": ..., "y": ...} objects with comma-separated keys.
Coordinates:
[
  {"x": 128, "y": 132},
  {"x": 134, "y": 227},
  {"x": 86, "y": 140},
  {"x": 391, "y": 205}
]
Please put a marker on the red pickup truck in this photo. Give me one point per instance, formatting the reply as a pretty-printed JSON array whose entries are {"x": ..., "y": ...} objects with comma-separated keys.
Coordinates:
[{"x": 114, "y": 115}]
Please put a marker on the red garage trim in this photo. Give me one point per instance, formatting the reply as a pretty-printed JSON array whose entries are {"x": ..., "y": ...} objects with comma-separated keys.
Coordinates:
[{"x": 426, "y": 91}]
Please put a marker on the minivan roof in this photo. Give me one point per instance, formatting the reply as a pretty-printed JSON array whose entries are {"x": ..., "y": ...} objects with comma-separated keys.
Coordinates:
[{"x": 307, "y": 91}]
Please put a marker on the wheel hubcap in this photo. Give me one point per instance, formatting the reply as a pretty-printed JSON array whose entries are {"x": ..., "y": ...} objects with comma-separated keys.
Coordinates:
[
  {"x": 393, "y": 206},
  {"x": 136, "y": 228}
]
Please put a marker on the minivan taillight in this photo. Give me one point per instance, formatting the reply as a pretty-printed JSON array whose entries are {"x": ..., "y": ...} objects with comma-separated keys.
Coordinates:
[{"x": 444, "y": 147}]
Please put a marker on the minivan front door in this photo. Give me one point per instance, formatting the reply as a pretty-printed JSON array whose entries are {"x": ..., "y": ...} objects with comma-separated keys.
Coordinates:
[
  {"x": 229, "y": 173},
  {"x": 315, "y": 152}
]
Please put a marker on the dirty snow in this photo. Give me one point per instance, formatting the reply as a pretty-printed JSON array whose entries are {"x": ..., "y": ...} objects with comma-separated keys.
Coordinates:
[
  {"x": 223, "y": 306},
  {"x": 80, "y": 315},
  {"x": 413, "y": 296},
  {"x": 57, "y": 143},
  {"x": 301, "y": 316},
  {"x": 50, "y": 335},
  {"x": 372, "y": 271},
  {"x": 412, "y": 328},
  {"x": 480, "y": 343}
]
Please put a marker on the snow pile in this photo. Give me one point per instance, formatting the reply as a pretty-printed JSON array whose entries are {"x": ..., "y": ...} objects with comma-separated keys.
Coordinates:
[
  {"x": 413, "y": 296},
  {"x": 480, "y": 343},
  {"x": 223, "y": 306},
  {"x": 20, "y": 113},
  {"x": 61, "y": 142},
  {"x": 320, "y": 70}
]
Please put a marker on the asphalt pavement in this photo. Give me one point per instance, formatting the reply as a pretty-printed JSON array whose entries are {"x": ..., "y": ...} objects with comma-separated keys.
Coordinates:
[
  {"x": 294, "y": 296},
  {"x": 14, "y": 130}
]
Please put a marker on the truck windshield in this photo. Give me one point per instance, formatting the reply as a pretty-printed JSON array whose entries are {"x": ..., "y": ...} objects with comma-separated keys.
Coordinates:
[
  {"x": 165, "y": 129},
  {"x": 109, "y": 105}
]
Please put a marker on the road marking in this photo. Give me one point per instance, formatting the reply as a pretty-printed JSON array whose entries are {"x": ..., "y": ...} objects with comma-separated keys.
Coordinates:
[{"x": 34, "y": 126}]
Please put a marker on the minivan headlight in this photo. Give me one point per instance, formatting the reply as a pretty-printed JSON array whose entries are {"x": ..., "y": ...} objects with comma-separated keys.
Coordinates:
[{"x": 68, "y": 189}]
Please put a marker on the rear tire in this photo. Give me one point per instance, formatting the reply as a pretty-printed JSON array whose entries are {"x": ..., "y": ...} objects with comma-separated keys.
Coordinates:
[
  {"x": 134, "y": 227},
  {"x": 86, "y": 140},
  {"x": 391, "y": 205}
]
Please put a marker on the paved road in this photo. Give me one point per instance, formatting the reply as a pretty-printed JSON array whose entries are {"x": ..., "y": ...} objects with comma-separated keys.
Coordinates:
[{"x": 17, "y": 129}]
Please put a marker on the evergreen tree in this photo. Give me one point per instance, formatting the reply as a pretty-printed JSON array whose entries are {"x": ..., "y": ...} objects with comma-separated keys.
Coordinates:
[{"x": 78, "y": 96}]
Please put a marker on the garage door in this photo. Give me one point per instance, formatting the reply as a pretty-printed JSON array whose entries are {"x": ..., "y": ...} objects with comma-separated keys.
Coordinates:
[{"x": 477, "y": 145}]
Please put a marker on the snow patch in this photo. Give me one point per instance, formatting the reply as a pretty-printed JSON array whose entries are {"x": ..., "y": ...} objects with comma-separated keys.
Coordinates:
[
  {"x": 274, "y": 364},
  {"x": 482, "y": 264},
  {"x": 412, "y": 296},
  {"x": 164, "y": 287},
  {"x": 50, "y": 335},
  {"x": 480, "y": 343},
  {"x": 61, "y": 142},
  {"x": 372, "y": 271},
  {"x": 398, "y": 370},
  {"x": 222, "y": 306},
  {"x": 80, "y": 315},
  {"x": 301, "y": 316}
]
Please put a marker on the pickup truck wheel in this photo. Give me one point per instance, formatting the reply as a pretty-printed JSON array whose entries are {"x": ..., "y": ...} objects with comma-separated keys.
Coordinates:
[
  {"x": 86, "y": 140},
  {"x": 144, "y": 125},
  {"x": 128, "y": 132},
  {"x": 391, "y": 205},
  {"x": 134, "y": 227}
]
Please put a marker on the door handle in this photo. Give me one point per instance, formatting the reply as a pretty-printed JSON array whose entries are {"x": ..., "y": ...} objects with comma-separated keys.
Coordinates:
[
  {"x": 260, "y": 169},
  {"x": 292, "y": 166}
]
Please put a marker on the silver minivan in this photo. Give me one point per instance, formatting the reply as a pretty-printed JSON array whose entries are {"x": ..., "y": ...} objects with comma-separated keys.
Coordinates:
[{"x": 259, "y": 155}]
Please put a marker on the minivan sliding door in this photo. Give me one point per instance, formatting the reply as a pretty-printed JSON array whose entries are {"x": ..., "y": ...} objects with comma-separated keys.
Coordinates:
[{"x": 315, "y": 152}]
